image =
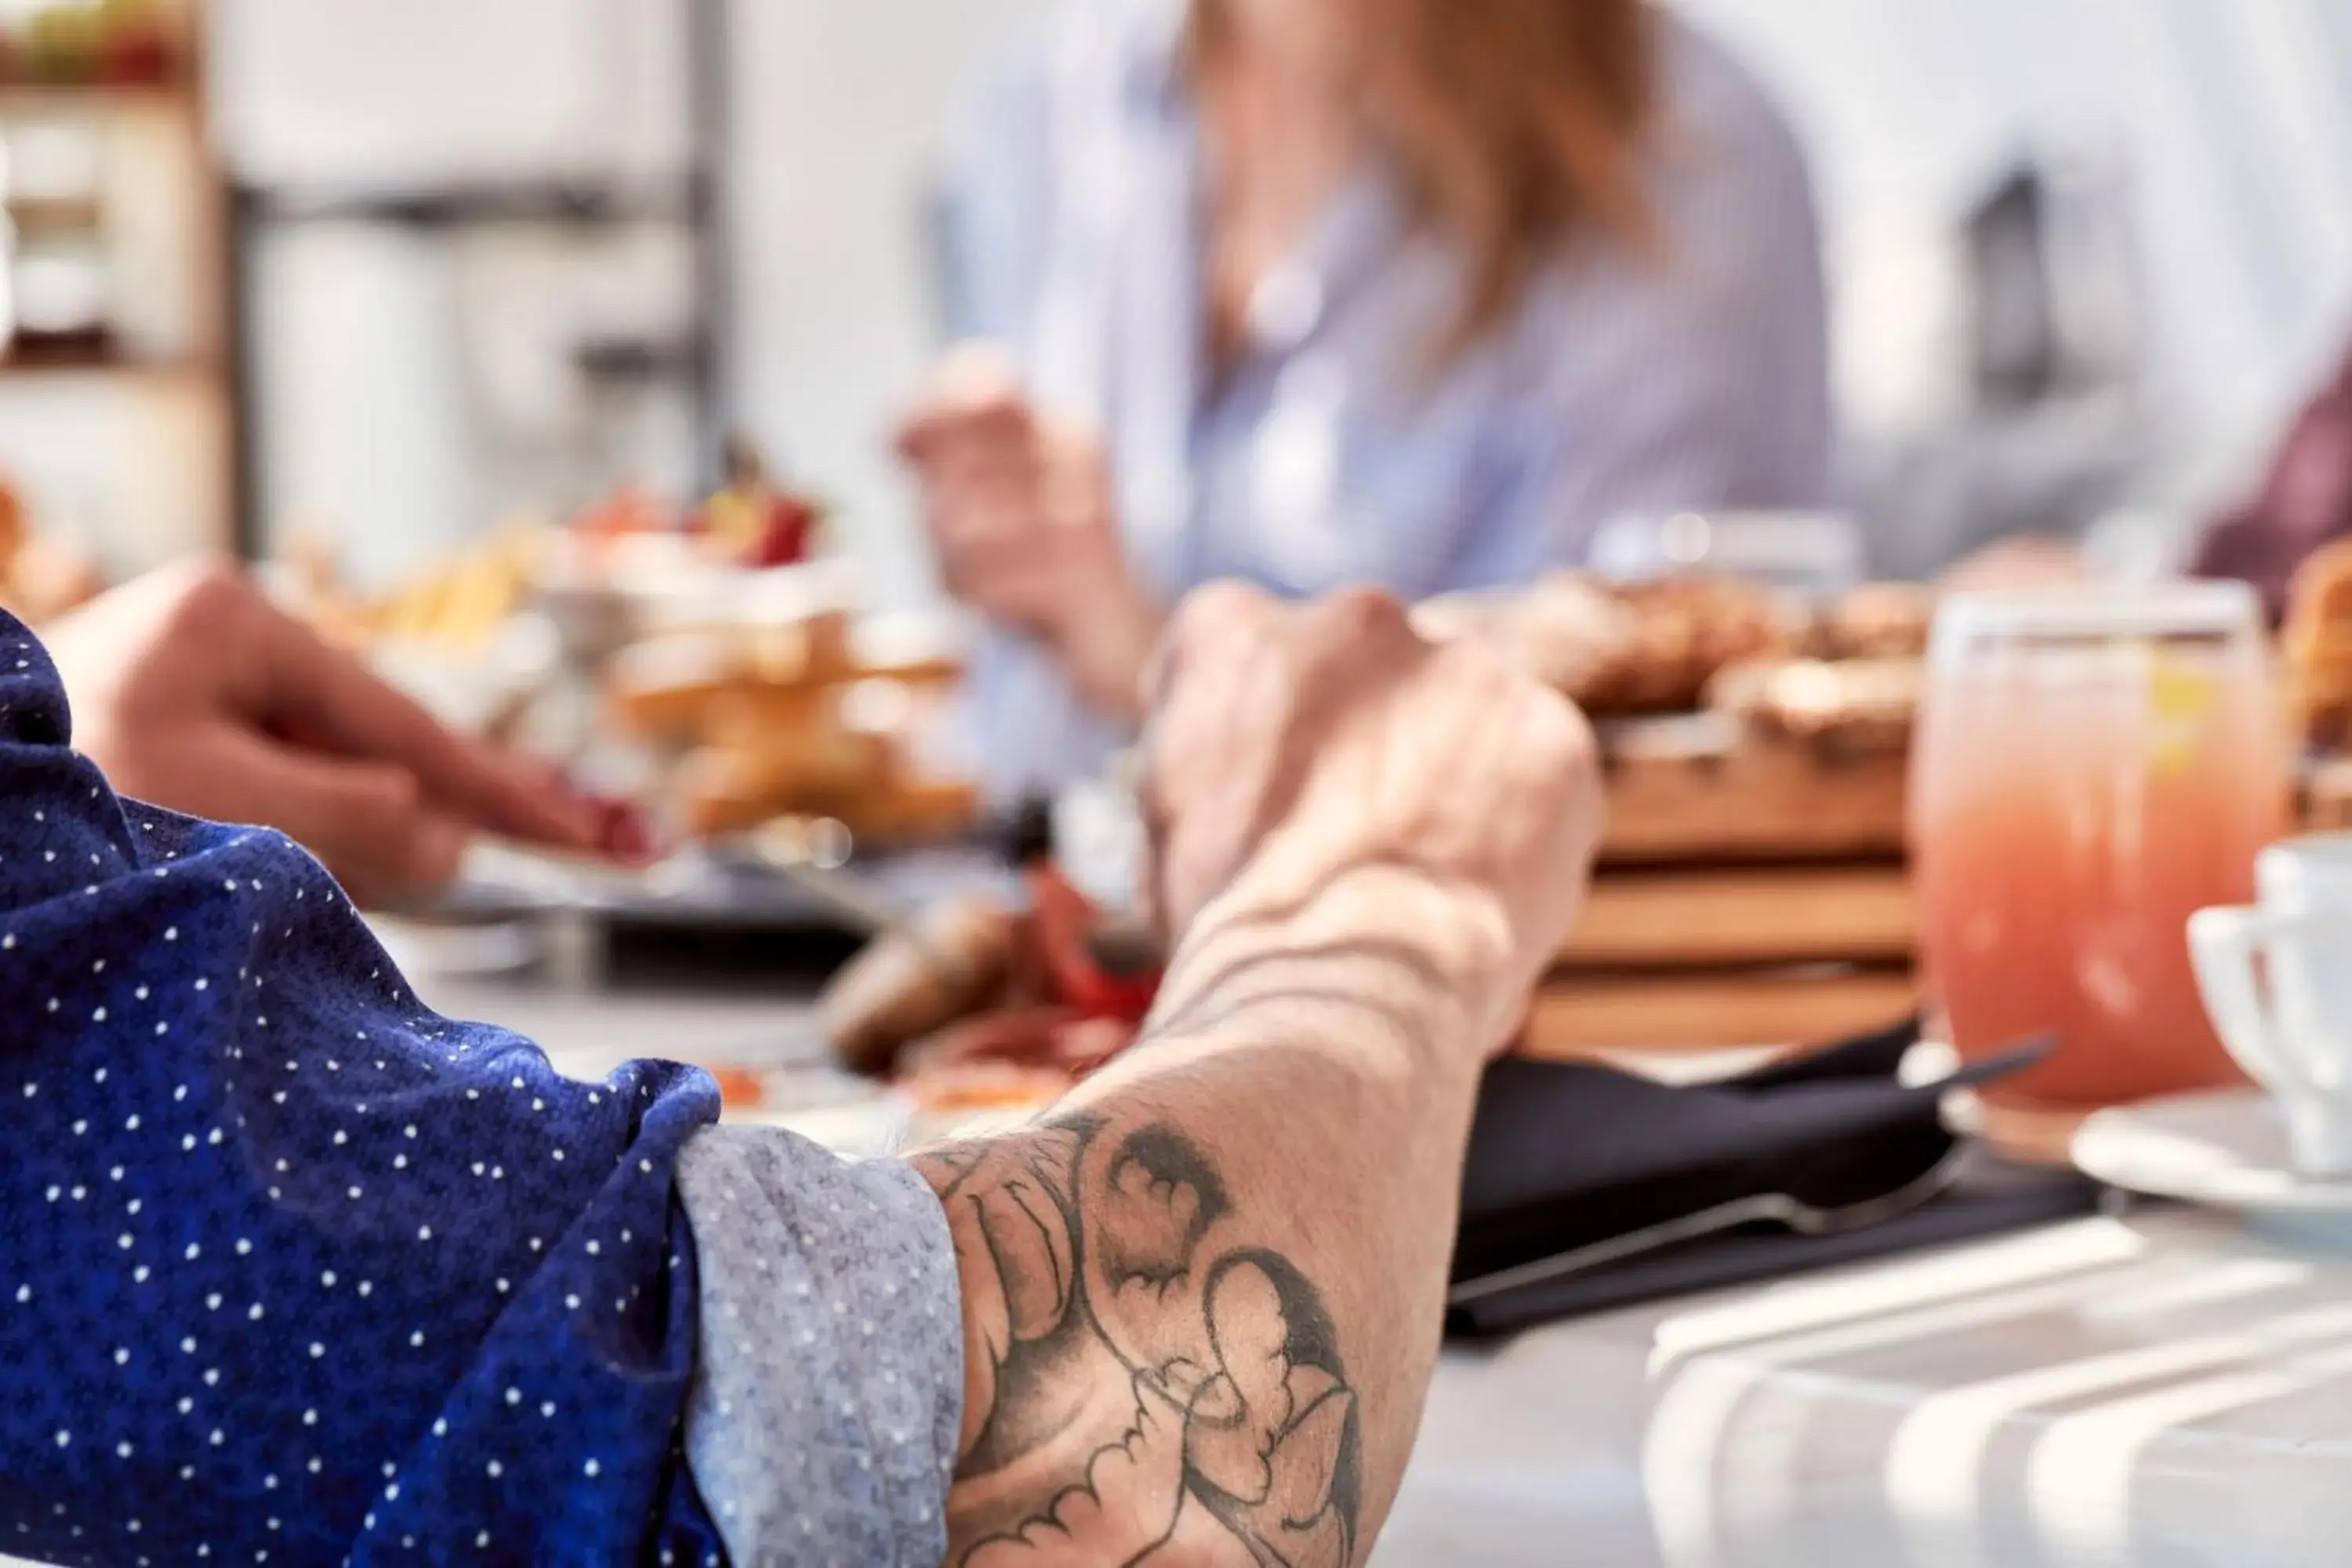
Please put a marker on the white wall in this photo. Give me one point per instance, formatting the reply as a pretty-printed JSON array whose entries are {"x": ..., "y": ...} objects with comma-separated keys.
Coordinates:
[
  {"x": 2234, "y": 121},
  {"x": 386, "y": 91},
  {"x": 841, "y": 107},
  {"x": 838, "y": 108}
]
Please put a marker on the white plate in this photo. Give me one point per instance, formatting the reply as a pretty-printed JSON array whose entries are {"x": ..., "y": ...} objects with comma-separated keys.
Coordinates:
[{"x": 2227, "y": 1148}]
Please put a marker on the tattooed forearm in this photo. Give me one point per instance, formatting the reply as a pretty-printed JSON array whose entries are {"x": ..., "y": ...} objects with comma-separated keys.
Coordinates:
[{"x": 1153, "y": 1380}]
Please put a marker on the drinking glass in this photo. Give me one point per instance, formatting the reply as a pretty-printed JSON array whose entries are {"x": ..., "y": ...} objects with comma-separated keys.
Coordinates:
[{"x": 2094, "y": 766}]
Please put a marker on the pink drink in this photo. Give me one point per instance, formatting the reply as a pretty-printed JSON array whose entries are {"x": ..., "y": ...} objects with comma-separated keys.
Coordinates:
[{"x": 2091, "y": 769}]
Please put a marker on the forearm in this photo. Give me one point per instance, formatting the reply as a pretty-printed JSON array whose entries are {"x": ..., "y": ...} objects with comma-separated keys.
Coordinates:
[
  {"x": 1203, "y": 1302},
  {"x": 1105, "y": 643}
]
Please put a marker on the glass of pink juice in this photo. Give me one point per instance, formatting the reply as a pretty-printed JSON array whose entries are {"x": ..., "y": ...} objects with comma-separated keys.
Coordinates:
[{"x": 2094, "y": 766}]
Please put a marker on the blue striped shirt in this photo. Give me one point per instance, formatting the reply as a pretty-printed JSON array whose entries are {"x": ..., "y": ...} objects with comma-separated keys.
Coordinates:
[{"x": 1326, "y": 454}]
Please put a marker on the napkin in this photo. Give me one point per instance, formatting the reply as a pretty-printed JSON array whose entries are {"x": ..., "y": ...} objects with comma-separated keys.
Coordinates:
[{"x": 1588, "y": 1189}]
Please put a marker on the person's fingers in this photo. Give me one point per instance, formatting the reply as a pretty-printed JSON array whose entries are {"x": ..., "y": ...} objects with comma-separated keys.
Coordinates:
[
  {"x": 428, "y": 860},
  {"x": 940, "y": 431},
  {"x": 976, "y": 368},
  {"x": 1224, "y": 641},
  {"x": 323, "y": 691},
  {"x": 973, "y": 378},
  {"x": 1014, "y": 584},
  {"x": 1220, "y": 663},
  {"x": 503, "y": 795},
  {"x": 943, "y": 437},
  {"x": 988, "y": 534},
  {"x": 995, "y": 486},
  {"x": 1358, "y": 618},
  {"x": 1192, "y": 622},
  {"x": 985, "y": 467},
  {"x": 1209, "y": 621},
  {"x": 972, "y": 557},
  {"x": 623, "y": 833},
  {"x": 368, "y": 821},
  {"x": 977, "y": 509},
  {"x": 960, "y": 409},
  {"x": 979, "y": 527}
]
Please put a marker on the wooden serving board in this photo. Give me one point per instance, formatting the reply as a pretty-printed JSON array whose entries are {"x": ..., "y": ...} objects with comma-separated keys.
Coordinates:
[
  {"x": 1577, "y": 1017},
  {"x": 1685, "y": 794},
  {"x": 1713, "y": 916}
]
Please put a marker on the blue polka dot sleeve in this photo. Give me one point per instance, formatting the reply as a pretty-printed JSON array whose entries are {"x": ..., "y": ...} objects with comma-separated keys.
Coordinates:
[{"x": 291, "y": 1270}]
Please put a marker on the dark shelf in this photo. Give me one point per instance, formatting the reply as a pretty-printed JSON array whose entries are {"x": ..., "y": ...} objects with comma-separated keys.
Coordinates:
[
  {"x": 553, "y": 203},
  {"x": 23, "y": 362},
  {"x": 631, "y": 361},
  {"x": 53, "y": 215},
  {"x": 696, "y": 199},
  {"x": 41, "y": 97}
]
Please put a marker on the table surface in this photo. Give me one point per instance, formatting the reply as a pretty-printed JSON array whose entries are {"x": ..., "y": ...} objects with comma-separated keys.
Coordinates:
[{"x": 2159, "y": 1389}]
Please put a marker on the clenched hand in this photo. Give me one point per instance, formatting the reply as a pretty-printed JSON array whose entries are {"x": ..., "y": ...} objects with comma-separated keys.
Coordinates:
[{"x": 1322, "y": 763}]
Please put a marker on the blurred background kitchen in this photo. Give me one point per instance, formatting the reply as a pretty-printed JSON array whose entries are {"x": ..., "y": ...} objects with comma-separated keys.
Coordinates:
[{"x": 388, "y": 273}]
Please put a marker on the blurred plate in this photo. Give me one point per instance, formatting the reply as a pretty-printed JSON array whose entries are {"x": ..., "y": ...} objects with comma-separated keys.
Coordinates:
[
  {"x": 2226, "y": 1148},
  {"x": 858, "y": 1119},
  {"x": 854, "y": 1117},
  {"x": 460, "y": 949},
  {"x": 698, "y": 888}
]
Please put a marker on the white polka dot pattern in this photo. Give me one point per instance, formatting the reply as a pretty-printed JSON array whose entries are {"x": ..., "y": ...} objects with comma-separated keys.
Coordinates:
[{"x": 232, "y": 1329}]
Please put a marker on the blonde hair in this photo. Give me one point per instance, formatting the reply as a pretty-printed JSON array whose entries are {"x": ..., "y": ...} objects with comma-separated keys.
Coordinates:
[{"x": 1519, "y": 128}]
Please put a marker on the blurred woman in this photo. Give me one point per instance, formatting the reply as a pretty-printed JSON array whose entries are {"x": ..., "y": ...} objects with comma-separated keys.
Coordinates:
[{"x": 1410, "y": 293}]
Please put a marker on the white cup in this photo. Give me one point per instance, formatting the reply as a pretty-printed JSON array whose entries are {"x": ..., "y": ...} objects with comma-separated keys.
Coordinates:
[{"x": 2277, "y": 982}]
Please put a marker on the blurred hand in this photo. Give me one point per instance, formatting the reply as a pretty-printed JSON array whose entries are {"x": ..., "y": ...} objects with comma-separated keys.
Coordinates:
[
  {"x": 1324, "y": 767},
  {"x": 192, "y": 690},
  {"x": 1020, "y": 512}
]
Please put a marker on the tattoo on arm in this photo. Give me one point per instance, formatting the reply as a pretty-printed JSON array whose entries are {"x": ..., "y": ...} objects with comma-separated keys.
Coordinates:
[{"x": 1151, "y": 1377}]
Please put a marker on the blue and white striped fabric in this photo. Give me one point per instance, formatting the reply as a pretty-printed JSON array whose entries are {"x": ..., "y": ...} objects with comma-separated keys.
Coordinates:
[{"x": 1327, "y": 455}]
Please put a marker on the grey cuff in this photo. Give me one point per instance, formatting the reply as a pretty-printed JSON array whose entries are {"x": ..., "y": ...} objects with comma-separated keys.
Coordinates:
[{"x": 828, "y": 1390}]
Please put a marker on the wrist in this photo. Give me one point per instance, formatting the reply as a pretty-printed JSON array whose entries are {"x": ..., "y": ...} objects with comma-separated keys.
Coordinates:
[{"x": 1430, "y": 965}]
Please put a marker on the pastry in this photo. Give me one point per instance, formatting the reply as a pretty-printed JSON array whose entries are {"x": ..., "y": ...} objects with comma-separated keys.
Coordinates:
[
  {"x": 1851, "y": 705},
  {"x": 2318, "y": 646},
  {"x": 816, "y": 771},
  {"x": 1878, "y": 620}
]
